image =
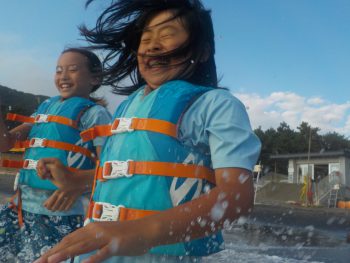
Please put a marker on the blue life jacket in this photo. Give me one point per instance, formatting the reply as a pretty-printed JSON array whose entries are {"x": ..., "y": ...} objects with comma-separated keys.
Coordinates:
[
  {"x": 71, "y": 108},
  {"x": 149, "y": 192}
]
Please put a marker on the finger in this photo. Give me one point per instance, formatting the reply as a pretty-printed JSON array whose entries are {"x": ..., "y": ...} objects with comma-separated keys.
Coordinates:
[
  {"x": 60, "y": 199},
  {"x": 74, "y": 250},
  {"x": 66, "y": 242},
  {"x": 69, "y": 204},
  {"x": 50, "y": 203},
  {"x": 42, "y": 170},
  {"x": 101, "y": 255},
  {"x": 65, "y": 202}
]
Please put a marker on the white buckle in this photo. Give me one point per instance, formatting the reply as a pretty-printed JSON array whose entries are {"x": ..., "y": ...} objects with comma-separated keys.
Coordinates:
[
  {"x": 40, "y": 118},
  {"x": 87, "y": 221},
  {"x": 109, "y": 212},
  {"x": 37, "y": 142},
  {"x": 123, "y": 125},
  {"x": 15, "y": 183},
  {"x": 30, "y": 164},
  {"x": 116, "y": 169}
]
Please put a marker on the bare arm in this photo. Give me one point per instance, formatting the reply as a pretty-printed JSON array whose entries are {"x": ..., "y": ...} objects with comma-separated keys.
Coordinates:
[
  {"x": 8, "y": 138},
  {"x": 71, "y": 185},
  {"x": 230, "y": 199}
]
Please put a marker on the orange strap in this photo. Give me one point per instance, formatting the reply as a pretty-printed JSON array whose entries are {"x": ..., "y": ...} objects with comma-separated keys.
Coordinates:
[
  {"x": 19, "y": 118},
  {"x": 55, "y": 144},
  {"x": 125, "y": 214},
  {"x": 23, "y": 164},
  {"x": 17, "y": 207},
  {"x": 39, "y": 118},
  {"x": 163, "y": 169},
  {"x": 20, "y": 149},
  {"x": 153, "y": 125},
  {"x": 11, "y": 163}
]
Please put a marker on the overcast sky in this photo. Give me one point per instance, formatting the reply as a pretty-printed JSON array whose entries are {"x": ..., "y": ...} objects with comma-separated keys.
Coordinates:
[{"x": 286, "y": 60}]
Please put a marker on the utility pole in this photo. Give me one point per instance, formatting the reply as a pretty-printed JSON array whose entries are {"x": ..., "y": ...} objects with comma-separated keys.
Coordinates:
[{"x": 308, "y": 178}]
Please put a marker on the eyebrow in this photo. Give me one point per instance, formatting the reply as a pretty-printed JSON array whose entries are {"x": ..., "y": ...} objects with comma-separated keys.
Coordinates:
[
  {"x": 163, "y": 28},
  {"x": 149, "y": 28}
]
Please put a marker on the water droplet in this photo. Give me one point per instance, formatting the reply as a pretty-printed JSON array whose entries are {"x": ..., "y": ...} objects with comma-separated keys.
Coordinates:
[
  {"x": 217, "y": 212},
  {"x": 114, "y": 245},
  {"x": 238, "y": 210},
  {"x": 237, "y": 196},
  {"x": 243, "y": 178}
]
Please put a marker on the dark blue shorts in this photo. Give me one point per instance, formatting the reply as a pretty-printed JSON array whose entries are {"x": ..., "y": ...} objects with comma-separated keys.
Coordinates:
[{"x": 40, "y": 232}]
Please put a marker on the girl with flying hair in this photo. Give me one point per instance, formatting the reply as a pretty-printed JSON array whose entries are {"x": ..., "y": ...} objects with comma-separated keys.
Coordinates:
[{"x": 177, "y": 162}]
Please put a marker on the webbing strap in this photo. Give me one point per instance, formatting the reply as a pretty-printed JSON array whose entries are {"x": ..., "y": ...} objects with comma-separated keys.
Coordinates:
[
  {"x": 39, "y": 142},
  {"x": 17, "y": 207},
  {"x": 30, "y": 164},
  {"x": 119, "y": 126},
  {"x": 11, "y": 163},
  {"x": 42, "y": 118},
  {"x": 160, "y": 169},
  {"x": 96, "y": 210}
]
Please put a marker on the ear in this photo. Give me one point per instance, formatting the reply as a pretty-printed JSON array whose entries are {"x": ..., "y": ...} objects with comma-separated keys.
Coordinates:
[
  {"x": 95, "y": 81},
  {"x": 206, "y": 53}
]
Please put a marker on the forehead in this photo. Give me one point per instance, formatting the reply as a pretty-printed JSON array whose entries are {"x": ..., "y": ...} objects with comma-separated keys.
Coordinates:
[
  {"x": 162, "y": 19},
  {"x": 69, "y": 58}
]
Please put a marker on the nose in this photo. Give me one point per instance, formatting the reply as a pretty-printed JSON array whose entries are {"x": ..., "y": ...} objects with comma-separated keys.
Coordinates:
[
  {"x": 154, "y": 45},
  {"x": 64, "y": 74}
]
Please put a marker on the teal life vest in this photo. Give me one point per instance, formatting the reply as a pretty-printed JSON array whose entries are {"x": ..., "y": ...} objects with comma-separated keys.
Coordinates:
[
  {"x": 56, "y": 133},
  {"x": 153, "y": 192}
]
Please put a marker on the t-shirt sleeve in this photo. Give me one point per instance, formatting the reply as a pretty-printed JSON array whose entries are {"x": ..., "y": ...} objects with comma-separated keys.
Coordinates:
[
  {"x": 220, "y": 121},
  {"x": 96, "y": 115}
]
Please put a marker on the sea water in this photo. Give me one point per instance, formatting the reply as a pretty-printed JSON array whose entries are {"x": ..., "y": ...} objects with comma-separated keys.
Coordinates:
[{"x": 265, "y": 243}]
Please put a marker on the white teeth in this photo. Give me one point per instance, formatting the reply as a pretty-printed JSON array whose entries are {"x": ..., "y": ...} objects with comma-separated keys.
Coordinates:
[
  {"x": 154, "y": 63},
  {"x": 63, "y": 86}
]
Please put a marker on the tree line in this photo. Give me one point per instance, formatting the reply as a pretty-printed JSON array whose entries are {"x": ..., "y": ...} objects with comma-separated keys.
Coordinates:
[{"x": 285, "y": 140}]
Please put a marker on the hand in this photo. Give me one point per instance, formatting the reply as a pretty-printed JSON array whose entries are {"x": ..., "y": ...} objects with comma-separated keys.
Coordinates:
[
  {"x": 62, "y": 200},
  {"x": 108, "y": 238},
  {"x": 60, "y": 175}
]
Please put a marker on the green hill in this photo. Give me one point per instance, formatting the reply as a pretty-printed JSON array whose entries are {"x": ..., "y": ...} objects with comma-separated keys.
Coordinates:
[{"x": 18, "y": 102}]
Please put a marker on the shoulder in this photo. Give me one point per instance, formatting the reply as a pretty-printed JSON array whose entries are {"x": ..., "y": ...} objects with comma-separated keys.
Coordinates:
[
  {"x": 95, "y": 115},
  {"x": 218, "y": 103},
  {"x": 217, "y": 96},
  {"x": 97, "y": 109}
]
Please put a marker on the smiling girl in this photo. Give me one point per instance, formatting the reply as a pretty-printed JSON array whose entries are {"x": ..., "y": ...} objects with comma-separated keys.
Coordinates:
[{"x": 42, "y": 214}]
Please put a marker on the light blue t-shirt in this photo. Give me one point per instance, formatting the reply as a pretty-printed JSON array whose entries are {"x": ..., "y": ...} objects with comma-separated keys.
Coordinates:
[
  {"x": 217, "y": 123},
  {"x": 33, "y": 198}
]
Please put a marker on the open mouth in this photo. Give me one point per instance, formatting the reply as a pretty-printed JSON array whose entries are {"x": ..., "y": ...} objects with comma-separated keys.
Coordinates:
[
  {"x": 65, "y": 86},
  {"x": 157, "y": 62}
]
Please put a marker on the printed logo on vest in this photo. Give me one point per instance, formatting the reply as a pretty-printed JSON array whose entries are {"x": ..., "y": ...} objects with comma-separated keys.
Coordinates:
[
  {"x": 181, "y": 193},
  {"x": 77, "y": 160}
]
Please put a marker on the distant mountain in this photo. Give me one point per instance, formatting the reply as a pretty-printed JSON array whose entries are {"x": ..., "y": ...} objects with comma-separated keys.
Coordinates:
[{"x": 19, "y": 102}]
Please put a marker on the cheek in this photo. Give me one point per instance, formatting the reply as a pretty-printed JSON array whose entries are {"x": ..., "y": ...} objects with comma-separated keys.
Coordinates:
[{"x": 56, "y": 80}]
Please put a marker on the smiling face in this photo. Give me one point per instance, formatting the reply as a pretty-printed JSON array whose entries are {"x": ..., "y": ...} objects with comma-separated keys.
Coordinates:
[
  {"x": 73, "y": 77},
  {"x": 161, "y": 35}
]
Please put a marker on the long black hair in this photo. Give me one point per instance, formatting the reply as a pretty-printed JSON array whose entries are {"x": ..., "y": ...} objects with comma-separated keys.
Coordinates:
[{"x": 118, "y": 32}]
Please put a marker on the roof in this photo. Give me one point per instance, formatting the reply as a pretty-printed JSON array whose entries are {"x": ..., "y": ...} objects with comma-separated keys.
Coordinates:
[{"x": 321, "y": 154}]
